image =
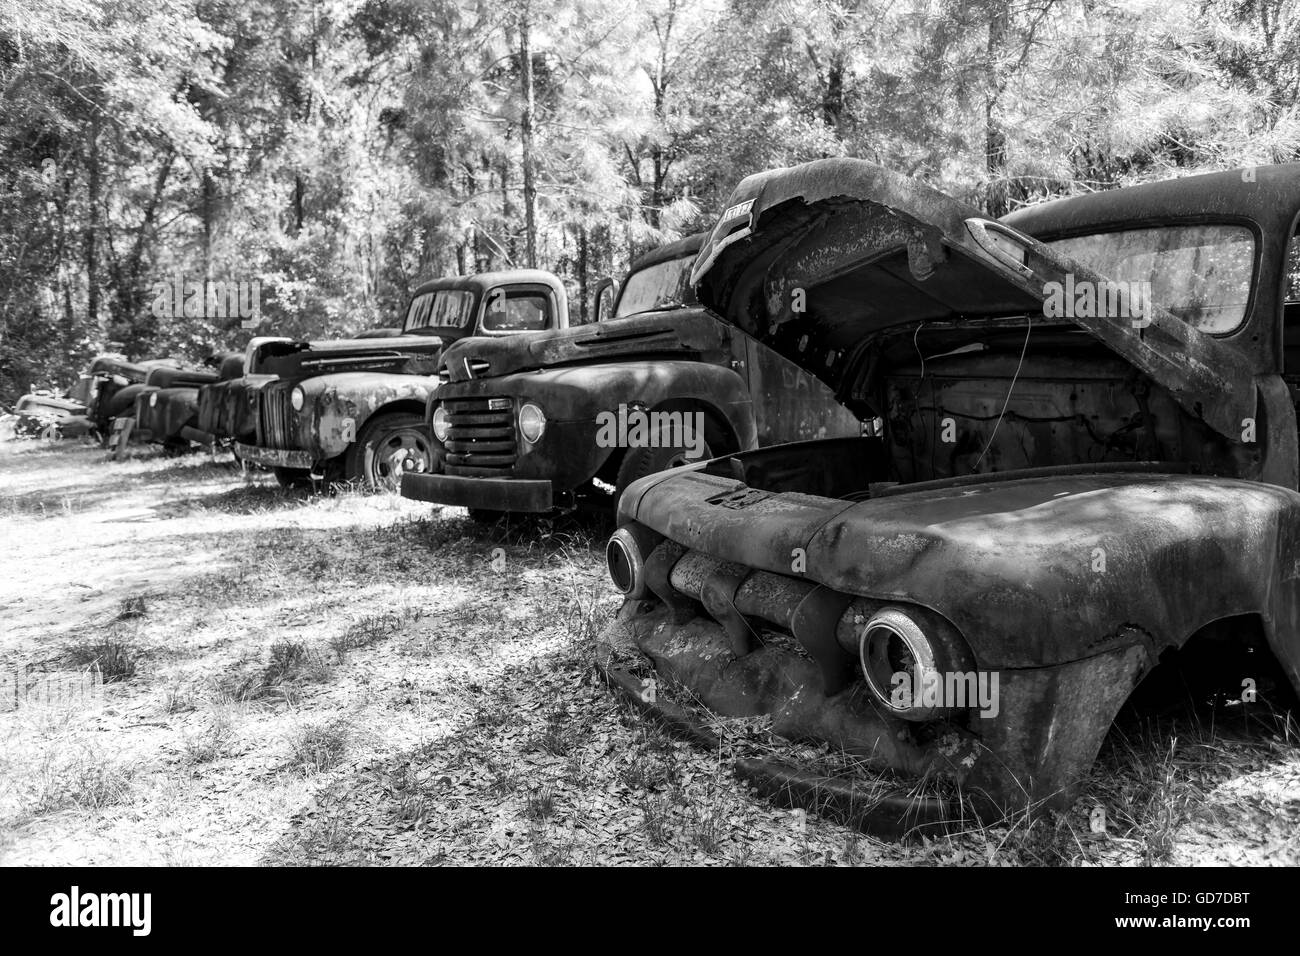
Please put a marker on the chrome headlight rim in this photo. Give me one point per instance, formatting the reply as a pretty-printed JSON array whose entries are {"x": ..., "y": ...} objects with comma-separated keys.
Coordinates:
[
  {"x": 297, "y": 398},
  {"x": 440, "y": 423},
  {"x": 893, "y": 629},
  {"x": 626, "y": 553},
  {"x": 536, "y": 418}
]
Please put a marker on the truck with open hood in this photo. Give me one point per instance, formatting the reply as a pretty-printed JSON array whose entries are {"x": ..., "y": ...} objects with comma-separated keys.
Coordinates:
[
  {"x": 353, "y": 409},
  {"x": 555, "y": 421},
  {"x": 1078, "y": 475}
]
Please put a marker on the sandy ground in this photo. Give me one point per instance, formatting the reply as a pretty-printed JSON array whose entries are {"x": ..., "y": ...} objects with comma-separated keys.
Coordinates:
[{"x": 364, "y": 679}]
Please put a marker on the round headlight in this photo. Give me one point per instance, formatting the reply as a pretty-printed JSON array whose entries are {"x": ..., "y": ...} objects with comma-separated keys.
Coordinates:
[
  {"x": 153, "y": 400},
  {"x": 441, "y": 423},
  {"x": 531, "y": 423},
  {"x": 297, "y": 399},
  {"x": 897, "y": 659},
  {"x": 626, "y": 553}
]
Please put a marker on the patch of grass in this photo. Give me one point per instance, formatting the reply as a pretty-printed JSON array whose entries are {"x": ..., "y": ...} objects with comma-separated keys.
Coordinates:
[
  {"x": 504, "y": 781},
  {"x": 130, "y": 608},
  {"x": 547, "y": 853},
  {"x": 178, "y": 700},
  {"x": 89, "y": 782},
  {"x": 707, "y": 826},
  {"x": 367, "y": 632},
  {"x": 213, "y": 744},
  {"x": 317, "y": 747},
  {"x": 540, "y": 806},
  {"x": 115, "y": 659},
  {"x": 289, "y": 665},
  {"x": 656, "y": 819},
  {"x": 561, "y": 734}
]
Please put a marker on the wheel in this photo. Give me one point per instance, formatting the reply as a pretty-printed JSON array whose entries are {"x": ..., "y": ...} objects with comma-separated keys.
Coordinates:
[
  {"x": 485, "y": 515},
  {"x": 387, "y": 447},
  {"x": 292, "y": 477},
  {"x": 639, "y": 462}
]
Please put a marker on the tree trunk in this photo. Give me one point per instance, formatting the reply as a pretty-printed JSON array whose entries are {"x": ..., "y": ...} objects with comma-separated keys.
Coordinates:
[
  {"x": 995, "y": 138},
  {"x": 508, "y": 213},
  {"x": 526, "y": 139},
  {"x": 92, "y": 226},
  {"x": 583, "y": 262}
]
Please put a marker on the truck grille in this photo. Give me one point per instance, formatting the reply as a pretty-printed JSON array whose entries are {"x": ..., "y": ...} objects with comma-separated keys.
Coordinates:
[
  {"x": 481, "y": 442},
  {"x": 277, "y": 423}
]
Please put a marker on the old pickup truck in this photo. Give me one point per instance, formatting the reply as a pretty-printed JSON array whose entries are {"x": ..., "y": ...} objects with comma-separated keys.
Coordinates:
[
  {"x": 119, "y": 392},
  {"x": 1081, "y": 478},
  {"x": 353, "y": 409},
  {"x": 562, "y": 420},
  {"x": 169, "y": 416}
]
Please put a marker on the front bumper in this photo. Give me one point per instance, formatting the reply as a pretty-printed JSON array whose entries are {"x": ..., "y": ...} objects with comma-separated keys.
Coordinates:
[
  {"x": 1033, "y": 751},
  {"x": 276, "y": 457},
  {"x": 518, "y": 495}
]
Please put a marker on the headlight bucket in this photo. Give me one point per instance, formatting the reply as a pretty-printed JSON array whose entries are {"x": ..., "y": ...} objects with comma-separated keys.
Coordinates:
[
  {"x": 297, "y": 398},
  {"x": 918, "y": 645},
  {"x": 532, "y": 423},
  {"x": 440, "y": 423},
  {"x": 626, "y": 554}
]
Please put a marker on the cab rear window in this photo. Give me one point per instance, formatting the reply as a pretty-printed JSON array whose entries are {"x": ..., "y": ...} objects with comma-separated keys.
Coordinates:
[{"x": 517, "y": 311}]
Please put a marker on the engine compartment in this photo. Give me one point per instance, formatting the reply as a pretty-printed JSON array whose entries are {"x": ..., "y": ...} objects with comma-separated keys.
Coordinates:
[{"x": 951, "y": 405}]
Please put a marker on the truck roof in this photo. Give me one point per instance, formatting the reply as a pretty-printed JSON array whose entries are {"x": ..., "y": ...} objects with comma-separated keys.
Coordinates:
[
  {"x": 482, "y": 281},
  {"x": 1270, "y": 195},
  {"x": 1267, "y": 198},
  {"x": 686, "y": 246}
]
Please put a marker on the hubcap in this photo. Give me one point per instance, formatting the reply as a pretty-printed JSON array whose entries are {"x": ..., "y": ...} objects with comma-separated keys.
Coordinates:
[{"x": 397, "y": 453}]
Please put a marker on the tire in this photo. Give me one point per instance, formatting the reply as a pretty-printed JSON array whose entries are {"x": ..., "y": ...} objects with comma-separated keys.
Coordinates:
[
  {"x": 639, "y": 462},
  {"x": 388, "y": 446},
  {"x": 292, "y": 477},
  {"x": 485, "y": 515}
]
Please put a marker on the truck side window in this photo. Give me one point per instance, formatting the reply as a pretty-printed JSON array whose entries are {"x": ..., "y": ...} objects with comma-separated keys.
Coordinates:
[
  {"x": 1293, "y": 271},
  {"x": 517, "y": 312},
  {"x": 1291, "y": 313}
]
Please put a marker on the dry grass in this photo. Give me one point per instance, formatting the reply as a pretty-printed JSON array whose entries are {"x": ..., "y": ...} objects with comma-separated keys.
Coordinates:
[
  {"x": 319, "y": 746},
  {"x": 355, "y": 678},
  {"x": 113, "y": 659}
]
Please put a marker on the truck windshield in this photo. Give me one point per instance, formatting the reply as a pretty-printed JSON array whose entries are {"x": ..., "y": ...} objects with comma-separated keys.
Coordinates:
[
  {"x": 440, "y": 309},
  {"x": 520, "y": 310},
  {"x": 664, "y": 285},
  {"x": 1201, "y": 273}
]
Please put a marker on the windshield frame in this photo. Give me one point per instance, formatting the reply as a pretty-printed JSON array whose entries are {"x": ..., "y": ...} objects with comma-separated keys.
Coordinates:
[
  {"x": 1248, "y": 317},
  {"x": 687, "y": 261}
]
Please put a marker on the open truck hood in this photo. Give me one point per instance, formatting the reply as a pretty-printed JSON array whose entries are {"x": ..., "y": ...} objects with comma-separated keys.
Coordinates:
[
  {"x": 818, "y": 260},
  {"x": 412, "y": 354},
  {"x": 674, "y": 334}
]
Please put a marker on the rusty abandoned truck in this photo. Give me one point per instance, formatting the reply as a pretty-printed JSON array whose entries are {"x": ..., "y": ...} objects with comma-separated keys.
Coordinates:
[
  {"x": 116, "y": 384},
  {"x": 1078, "y": 484},
  {"x": 353, "y": 409},
  {"x": 536, "y": 423},
  {"x": 169, "y": 416}
]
